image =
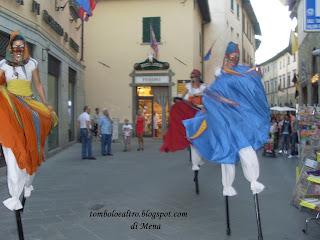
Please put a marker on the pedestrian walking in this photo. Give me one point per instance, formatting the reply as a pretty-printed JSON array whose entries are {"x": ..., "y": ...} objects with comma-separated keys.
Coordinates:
[
  {"x": 275, "y": 132},
  {"x": 95, "y": 123},
  {"x": 285, "y": 135},
  {"x": 140, "y": 130},
  {"x": 105, "y": 129},
  {"x": 155, "y": 125},
  {"x": 84, "y": 123},
  {"x": 294, "y": 135},
  {"x": 126, "y": 133}
]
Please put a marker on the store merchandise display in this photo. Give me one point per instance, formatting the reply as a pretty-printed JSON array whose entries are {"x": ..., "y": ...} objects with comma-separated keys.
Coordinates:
[{"x": 307, "y": 190}]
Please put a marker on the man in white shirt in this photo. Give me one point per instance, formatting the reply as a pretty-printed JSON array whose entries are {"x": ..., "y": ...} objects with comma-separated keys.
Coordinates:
[{"x": 85, "y": 133}]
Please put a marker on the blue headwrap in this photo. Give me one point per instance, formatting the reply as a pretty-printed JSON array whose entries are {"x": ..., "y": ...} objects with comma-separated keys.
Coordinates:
[{"x": 232, "y": 47}]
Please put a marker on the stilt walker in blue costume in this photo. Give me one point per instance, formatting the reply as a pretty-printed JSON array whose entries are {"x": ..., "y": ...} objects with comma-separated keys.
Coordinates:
[{"x": 234, "y": 125}]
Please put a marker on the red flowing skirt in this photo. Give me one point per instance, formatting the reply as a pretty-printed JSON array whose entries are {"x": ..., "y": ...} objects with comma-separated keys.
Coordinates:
[{"x": 175, "y": 139}]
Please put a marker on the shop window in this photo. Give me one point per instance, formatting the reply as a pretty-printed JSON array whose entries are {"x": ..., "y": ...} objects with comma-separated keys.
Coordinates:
[
  {"x": 71, "y": 103},
  {"x": 238, "y": 11},
  {"x": 4, "y": 40},
  {"x": 280, "y": 83},
  {"x": 243, "y": 23},
  {"x": 243, "y": 55},
  {"x": 144, "y": 91},
  {"x": 232, "y": 5},
  {"x": 147, "y": 23},
  {"x": 53, "y": 97}
]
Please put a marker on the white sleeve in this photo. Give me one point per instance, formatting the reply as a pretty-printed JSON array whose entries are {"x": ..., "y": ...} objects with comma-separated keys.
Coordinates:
[
  {"x": 217, "y": 72},
  {"x": 188, "y": 86},
  {"x": 33, "y": 63},
  {"x": 2, "y": 62},
  {"x": 203, "y": 87}
]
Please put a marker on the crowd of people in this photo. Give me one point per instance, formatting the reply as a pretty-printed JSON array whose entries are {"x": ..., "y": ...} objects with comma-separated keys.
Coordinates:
[
  {"x": 284, "y": 133},
  {"x": 99, "y": 127}
]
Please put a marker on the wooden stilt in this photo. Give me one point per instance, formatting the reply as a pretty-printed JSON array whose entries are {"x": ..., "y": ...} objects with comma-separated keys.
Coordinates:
[
  {"x": 196, "y": 182},
  {"x": 19, "y": 224},
  {"x": 257, "y": 210},
  {"x": 227, "y": 215}
]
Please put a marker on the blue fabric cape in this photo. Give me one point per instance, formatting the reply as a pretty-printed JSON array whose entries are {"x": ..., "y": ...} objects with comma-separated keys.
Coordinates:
[{"x": 230, "y": 128}]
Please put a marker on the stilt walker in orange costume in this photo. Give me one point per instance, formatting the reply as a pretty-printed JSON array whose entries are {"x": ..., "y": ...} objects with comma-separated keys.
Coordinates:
[{"x": 25, "y": 121}]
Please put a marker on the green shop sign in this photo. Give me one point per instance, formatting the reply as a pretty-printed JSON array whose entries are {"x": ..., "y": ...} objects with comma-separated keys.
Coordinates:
[{"x": 151, "y": 64}]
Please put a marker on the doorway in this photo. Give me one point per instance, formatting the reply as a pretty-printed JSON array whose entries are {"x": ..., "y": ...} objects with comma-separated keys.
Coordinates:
[
  {"x": 154, "y": 104},
  {"x": 145, "y": 105},
  {"x": 153, "y": 117}
]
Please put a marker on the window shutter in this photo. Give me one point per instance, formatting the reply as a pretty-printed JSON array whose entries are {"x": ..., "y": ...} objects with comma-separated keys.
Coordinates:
[
  {"x": 146, "y": 30},
  {"x": 155, "y": 23},
  {"x": 156, "y": 28}
]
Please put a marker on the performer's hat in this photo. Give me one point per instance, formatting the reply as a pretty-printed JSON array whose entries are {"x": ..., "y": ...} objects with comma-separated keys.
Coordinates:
[{"x": 232, "y": 47}]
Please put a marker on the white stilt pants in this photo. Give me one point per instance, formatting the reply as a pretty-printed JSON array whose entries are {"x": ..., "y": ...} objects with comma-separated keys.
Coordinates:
[
  {"x": 250, "y": 167},
  {"x": 195, "y": 159},
  {"x": 18, "y": 180}
]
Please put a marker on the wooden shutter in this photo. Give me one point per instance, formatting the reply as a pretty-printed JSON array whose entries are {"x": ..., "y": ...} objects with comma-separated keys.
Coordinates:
[{"x": 155, "y": 23}]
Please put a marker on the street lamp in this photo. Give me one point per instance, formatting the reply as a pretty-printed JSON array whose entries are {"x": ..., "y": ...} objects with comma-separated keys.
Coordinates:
[{"x": 316, "y": 52}]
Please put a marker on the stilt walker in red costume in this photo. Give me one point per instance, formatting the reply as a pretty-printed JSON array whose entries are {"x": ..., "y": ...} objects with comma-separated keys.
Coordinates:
[{"x": 185, "y": 108}]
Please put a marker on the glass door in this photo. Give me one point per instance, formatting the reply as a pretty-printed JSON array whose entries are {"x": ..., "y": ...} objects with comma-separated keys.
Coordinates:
[
  {"x": 145, "y": 105},
  {"x": 53, "y": 141},
  {"x": 71, "y": 102}
]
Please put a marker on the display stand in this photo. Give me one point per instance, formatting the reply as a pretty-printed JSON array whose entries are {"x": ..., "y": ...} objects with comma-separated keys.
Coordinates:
[
  {"x": 313, "y": 202},
  {"x": 307, "y": 190}
]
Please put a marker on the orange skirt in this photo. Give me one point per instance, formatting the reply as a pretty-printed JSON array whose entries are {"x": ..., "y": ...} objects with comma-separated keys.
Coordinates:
[{"x": 24, "y": 125}]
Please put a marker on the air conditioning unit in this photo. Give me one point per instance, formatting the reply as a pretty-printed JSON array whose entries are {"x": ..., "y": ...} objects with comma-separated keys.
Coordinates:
[
  {"x": 316, "y": 52},
  {"x": 20, "y": 2}
]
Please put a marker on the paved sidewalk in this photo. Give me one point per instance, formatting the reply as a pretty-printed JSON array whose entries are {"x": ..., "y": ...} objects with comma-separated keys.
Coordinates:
[{"x": 69, "y": 189}]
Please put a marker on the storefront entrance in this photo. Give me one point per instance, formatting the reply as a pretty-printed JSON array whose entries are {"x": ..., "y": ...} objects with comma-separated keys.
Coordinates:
[
  {"x": 154, "y": 111},
  {"x": 151, "y": 94}
]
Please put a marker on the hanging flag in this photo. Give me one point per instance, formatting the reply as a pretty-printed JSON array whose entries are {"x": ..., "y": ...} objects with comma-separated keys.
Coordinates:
[
  {"x": 208, "y": 55},
  {"x": 153, "y": 42},
  {"x": 296, "y": 85},
  {"x": 293, "y": 43},
  {"x": 85, "y": 8}
]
